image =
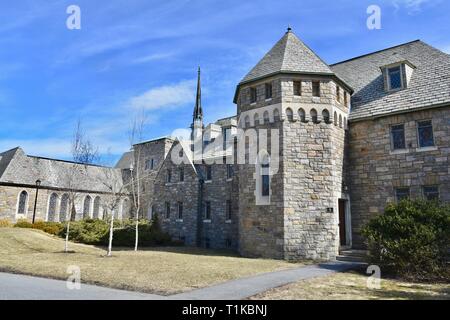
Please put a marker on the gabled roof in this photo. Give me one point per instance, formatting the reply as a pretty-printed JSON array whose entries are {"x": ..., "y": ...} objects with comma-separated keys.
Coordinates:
[
  {"x": 429, "y": 85},
  {"x": 289, "y": 54},
  {"x": 126, "y": 161},
  {"x": 6, "y": 158}
]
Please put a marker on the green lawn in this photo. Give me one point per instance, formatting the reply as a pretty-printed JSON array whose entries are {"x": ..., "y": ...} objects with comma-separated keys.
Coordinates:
[{"x": 158, "y": 270}]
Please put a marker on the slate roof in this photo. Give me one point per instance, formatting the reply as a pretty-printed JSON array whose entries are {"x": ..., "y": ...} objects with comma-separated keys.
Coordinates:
[
  {"x": 125, "y": 161},
  {"x": 289, "y": 54},
  {"x": 18, "y": 168},
  {"x": 429, "y": 85}
]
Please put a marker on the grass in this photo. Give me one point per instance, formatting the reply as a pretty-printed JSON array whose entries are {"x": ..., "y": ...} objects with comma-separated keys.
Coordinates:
[
  {"x": 353, "y": 286},
  {"x": 158, "y": 270}
]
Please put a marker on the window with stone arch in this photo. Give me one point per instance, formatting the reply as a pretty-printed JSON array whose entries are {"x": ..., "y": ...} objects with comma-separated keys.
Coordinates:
[
  {"x": 313, "y": 114},
  {"x": 96, "y": 209},
  {"x": 256, "y": 119},
  {"x": 22, "y": 203},
  {"x": 126, "y": 209},
  {"x": 64, "y": 208},
  {"x": 247, "y": 122},
  {"x": 345, "y": 123},
  {"x": 276, "y": 115},
  {"x": 326, "y": 116},
  {"x": 302, "y": 115},
  {"x": 289, "y": 115},
  {"x": 335, "y": 119},
  {"x": 266, "y": 117},
  {"x": 87, "y": 207},
  {"x": 265, "y": 174},
  {"x": 340, "y": 121},
  {"x": 52, "y": 203}
]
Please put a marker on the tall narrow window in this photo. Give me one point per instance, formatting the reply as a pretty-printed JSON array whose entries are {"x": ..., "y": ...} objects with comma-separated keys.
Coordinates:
[
  {"x": 97, "y": 204},
  {"x": 313, "y": 114},
  {"x": 51, "y": 214},
  {"x": 425, "y": 134},
  {"x": 64, "y": 208},
  {"x": 180, "y": 210},
  {"x": 167, "y": 210},
  {"x": 247, "y": 122},
  {"x": 229, "y": 171},
  {"x": 297, "y": 88},
  {"x": 268, "y": 90},
  {"x": 208, "y": 173},
  {"x": 289, "y": 114},
  {"x": 228, "y": 212},
  {"x": 181, "y": 174},
  {"x": 316, "y": 88},
  {"x": 23, "y": 202},
  {"x": 266, "y": 117},
  {"x": 431, "y": 192},
  {"x": 345, "y": 98},
  {"x": 265, "y": 185},
  {"x": 87, "y": 207},
  {"x": 169, "y": 176},
  {"x": 252, "y": 95},
  {"x": 402, "y": 193},
  {"x": 398, "y": 137},
  {"x": 326, "y": 116},
  {"x": 207, "y": 210},
  {"x": 395, "y": 78},
  {"x": 302, "y": 115},
  {"x": 276, "y": 115},
  {"x": 338, "y": 94}
]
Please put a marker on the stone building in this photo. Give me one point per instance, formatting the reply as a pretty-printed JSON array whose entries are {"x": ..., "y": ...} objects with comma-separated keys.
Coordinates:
[{"x": 314, "y": 152}]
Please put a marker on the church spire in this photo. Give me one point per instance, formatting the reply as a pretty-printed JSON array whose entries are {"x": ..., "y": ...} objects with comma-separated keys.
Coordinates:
[{"x": 198, "y": 111}]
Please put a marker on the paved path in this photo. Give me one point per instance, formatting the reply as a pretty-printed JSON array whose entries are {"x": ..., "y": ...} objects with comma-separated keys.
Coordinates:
[{"x": 18, "y": 287}]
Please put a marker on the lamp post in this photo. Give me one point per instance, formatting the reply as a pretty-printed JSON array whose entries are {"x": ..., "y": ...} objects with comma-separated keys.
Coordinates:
[{"x": 38, "y": 184}]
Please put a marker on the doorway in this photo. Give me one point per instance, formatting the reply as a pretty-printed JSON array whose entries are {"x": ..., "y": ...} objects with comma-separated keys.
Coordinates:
[{"x": 343, "y": 222}]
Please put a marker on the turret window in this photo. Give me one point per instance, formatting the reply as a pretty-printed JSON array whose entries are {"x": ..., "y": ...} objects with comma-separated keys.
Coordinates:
[
  {"x": 316, "y": 88},
  {"x": 252, "y": 95},
  {"x": 326, "y": 116},
  {"x": 268, "y": 87},
  {"x": 266, "y": 117},
  {"x": 297, "y": 88},
  {"x": 289, "y": 114},
  {"x": 302, "y": 115}
]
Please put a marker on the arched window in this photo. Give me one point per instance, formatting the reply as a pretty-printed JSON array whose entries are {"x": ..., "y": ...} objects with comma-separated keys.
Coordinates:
[
  {"x": 247, "y": 122},
  {"x": 340, "y": 121},
  {"x": 265, "y": 176},
  {"x": 96, "y": 212},
  {"x": 302, "y": 115},
  {"x": 345, "y": 123},
  {"x": 326, "y": 116},
  {"x": 23, "y": 203},
  {"x": 256, "y": 119},
  {"x": 289, "y": 115},
  {"x": 313, "y": 114},
  {"x": 266, "y": 117},
  {"x": 335, "y": 119},
  {"x": 276, "y": 115},
  {"x": 52, "y": 202},
  {"x": 87, "y": 207},
  {"x": 63, "y": 208},
  {"x": 125, "y": 209}
]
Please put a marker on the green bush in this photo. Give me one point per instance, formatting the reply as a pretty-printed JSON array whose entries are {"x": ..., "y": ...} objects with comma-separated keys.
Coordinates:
[
  {"x": 411, "y": 239},
  {"x": 96, "y": 232},
  {"x": 48, "y": 227}
]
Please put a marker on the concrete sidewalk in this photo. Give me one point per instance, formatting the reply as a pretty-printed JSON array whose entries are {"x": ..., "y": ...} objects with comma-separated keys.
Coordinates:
[{"x": 21, "y": 287}]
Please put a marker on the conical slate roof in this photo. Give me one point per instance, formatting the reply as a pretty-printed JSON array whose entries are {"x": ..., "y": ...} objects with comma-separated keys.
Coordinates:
[{"x": 289, "y": 54}]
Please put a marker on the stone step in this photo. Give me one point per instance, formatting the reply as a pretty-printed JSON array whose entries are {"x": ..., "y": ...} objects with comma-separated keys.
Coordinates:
[
  {"x": 347, "y": 258},
  {"x": 353, "y": 252}
]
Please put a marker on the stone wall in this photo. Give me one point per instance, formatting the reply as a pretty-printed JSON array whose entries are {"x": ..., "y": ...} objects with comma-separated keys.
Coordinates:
[{"x": 375, "y": 171}]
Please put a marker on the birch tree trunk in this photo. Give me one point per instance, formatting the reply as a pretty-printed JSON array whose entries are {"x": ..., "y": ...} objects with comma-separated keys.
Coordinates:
[
  {"x": 66, "y": 244},
  {"x": 111, "y": 229}
]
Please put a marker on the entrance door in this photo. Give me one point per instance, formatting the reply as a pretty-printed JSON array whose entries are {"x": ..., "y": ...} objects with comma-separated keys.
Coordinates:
[{"x": 342, "y": 226}]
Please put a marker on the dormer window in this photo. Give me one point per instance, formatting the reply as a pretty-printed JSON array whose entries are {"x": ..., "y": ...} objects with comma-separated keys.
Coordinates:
[
  {"x": 397, "y": 76},
  {"x": 394, "y": 78}
]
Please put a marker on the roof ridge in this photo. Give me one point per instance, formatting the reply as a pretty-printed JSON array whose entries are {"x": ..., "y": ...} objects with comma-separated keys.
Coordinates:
[{"x": 375, "y": 52}]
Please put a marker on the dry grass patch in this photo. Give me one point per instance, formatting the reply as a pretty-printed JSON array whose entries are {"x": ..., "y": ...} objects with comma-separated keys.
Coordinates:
[
  {"x": 158, "y": 270},
  {"x": 353, "y": 286}
]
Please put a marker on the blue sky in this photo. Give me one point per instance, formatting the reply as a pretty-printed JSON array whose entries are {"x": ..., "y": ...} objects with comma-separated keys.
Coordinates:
[{"x": 138, "y": 54}]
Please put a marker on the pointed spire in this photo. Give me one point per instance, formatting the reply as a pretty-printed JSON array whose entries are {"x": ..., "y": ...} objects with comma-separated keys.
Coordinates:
[{"x": 198, "y": 111}]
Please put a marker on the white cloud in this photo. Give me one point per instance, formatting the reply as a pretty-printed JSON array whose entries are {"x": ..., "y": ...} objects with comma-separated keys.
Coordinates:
[
  {"x": 169, "y": 96},
  {"x": 152, "y": 57},
  {"x": 413, "y": 6}
]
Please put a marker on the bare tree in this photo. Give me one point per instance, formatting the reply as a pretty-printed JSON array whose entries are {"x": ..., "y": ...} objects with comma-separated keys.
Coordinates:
[
  {"x": 83, "y": 154},
  {"x": 136, "y": 133}
]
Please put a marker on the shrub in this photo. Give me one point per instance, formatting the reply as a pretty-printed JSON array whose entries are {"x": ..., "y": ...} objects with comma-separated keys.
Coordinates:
[
  {"x": 87, "y": 231},
  {"x": 5, "y": 223},
  {"x": 22, "y": 223},
  {"x": 48, "y": 227},
  {"x": 411, "y": 239}
]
